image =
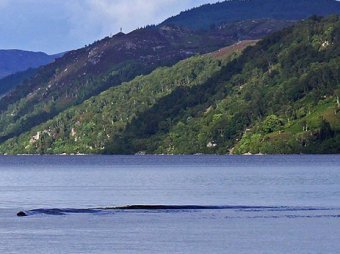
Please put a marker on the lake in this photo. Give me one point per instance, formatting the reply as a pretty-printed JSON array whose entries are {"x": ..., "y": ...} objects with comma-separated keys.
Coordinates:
[{"x": 252, "y": 204}]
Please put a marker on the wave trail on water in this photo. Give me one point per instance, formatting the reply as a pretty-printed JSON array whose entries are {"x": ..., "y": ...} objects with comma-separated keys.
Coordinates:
[{"x": 167, "y": 208}]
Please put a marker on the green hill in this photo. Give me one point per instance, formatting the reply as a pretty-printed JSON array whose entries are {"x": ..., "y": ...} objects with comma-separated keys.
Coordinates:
[
  {"x": 90, "y": 127},
  {"x": 279, "y": 96},
  {"x": 83, "y": 73},
  {"x": 86, "y": 72}
]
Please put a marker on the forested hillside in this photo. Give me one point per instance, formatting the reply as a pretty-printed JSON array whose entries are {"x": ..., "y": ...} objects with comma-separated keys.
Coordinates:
[
  {"x": 279, "y": 96},
  {"x": 91, "y": 126},
  {"x": 86, "y": 72},
  {"x": 211, "y": 15}
]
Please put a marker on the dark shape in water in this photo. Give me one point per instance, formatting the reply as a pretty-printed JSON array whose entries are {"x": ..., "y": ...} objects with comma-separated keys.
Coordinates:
[
  {"x": 165, "y": 207},
  {"x": 21, "y": 214},
  {"x": 181, "y": 207},
  {"x": 55, "y": 211}
]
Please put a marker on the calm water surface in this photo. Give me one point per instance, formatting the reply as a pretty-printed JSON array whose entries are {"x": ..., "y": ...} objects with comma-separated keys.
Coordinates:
[{"x": 273, "y": 204}]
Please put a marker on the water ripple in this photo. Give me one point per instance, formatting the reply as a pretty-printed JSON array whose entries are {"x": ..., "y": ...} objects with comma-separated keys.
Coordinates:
[{"x": 181, "y": 208}]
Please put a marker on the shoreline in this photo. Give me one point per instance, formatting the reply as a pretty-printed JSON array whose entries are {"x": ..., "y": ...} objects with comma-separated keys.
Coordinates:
[{"x": 165, "y": 155}]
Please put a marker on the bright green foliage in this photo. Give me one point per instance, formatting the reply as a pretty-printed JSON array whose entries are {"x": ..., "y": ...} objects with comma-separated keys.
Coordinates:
[
  {"x": 89, "y": 127},
  {"x": 83, "y": 73},
  {"x": 280, "y": 96},
  {"x": 270, "y": 124},
  {"x": 273, "y": 100}
]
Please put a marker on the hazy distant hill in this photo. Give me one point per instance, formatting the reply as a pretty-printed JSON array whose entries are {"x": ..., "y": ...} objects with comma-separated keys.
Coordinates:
[
  {"x": 10, "y": 82},
  {"x": 236, "y": 10},
  {"x": 12, "y": 61}
]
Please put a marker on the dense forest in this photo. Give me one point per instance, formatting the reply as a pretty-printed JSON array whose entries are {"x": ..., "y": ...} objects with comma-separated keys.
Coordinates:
[
  {"x": 90, "y": 126},
  {"x": 278, "y": 96},
  {"x": 281, "y": 96}
]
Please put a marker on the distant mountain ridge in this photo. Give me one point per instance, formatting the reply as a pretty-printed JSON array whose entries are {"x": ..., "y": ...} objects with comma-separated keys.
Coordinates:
[
  {"x": 11, "y": 81},
  {"x": 14, "y": 60},
  {"x": 208, "y": 15}
]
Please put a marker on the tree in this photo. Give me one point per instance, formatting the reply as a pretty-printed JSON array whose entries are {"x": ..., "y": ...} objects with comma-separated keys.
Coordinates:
[
  {"x": 337, "y": 95},
  {"x": 326, "y": 131},
  {"x": 271, "y": 123}
]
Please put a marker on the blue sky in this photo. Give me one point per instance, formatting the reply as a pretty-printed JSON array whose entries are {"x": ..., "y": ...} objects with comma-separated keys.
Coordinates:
[{"x": 55, "y": 26}]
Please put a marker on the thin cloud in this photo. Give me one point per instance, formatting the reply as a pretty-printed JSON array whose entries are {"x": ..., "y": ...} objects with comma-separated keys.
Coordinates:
[
  {"x": 3, "y": 3},
  {"x": 106, "y": 16},
  {"x": 56, "y": 26}
]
